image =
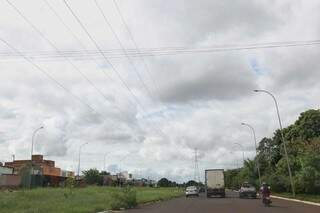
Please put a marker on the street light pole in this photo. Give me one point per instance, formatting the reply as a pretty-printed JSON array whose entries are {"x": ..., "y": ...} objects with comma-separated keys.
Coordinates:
[
  {"x": 255, "y": 145},
  {"x": 80, "y": 157},
  {"x": 242, "y": 150},
  {"x": 32, "y": 141},
  {"x": 282, "y": 137}
]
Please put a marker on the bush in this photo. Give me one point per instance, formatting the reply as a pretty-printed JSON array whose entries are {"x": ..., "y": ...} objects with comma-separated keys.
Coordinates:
[
  {"x": 92, "y": 177},
  {"x": 279, "y": 183},
  {"x": 70, "y": 182},
  {"x": 125, "y": 198}
]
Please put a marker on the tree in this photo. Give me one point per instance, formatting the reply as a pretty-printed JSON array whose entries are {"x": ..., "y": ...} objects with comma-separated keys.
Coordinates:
[
  {"x": 308, "y": 125},
  {"x": 232, "y": 178},
  {"x": 303, "y": 146},
  {"x": 92, "y": 176},
  {"x": 104, "y": 173},
  {"x": 191, "y": 183},
  {"x": 164, "y": 182}
]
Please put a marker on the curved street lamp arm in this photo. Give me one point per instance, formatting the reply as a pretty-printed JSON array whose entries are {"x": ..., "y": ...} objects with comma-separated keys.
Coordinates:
[{"x": 32, "y": 141}]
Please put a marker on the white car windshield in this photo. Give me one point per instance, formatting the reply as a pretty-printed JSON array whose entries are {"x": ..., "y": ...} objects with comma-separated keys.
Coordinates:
[{"x": 191, "y": 188}]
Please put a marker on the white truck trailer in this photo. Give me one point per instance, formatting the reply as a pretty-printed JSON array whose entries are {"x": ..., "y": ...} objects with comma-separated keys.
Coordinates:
[{"x": 214, "y": 180}]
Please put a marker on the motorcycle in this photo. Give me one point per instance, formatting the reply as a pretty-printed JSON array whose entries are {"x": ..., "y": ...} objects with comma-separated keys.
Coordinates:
[
  {"x": 265, "y": 194},
  {"x": 266, "y": 201}
]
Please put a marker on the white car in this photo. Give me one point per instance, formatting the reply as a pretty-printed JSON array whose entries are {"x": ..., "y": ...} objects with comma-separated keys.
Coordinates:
[
  {"x": 192, "y": 191},
  {"x": 247, "y": 190}
]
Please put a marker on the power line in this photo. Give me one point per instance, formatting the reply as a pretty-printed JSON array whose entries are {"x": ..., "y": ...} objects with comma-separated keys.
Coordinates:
[
  {"x": 78, "y": 40},
  {"x": 99, "y": 49},
  {"x": 133, "y": 41},
  {"x": 165, "y": 51},
  {"x": 132, "y": 38},
  {"x": 57, "y": 49},
  {"x": 82, "y": 45},
  {"x": 124, "y": 50},
  {"x": 49, "y": 76},
  {"x": 106, "y": 59}
]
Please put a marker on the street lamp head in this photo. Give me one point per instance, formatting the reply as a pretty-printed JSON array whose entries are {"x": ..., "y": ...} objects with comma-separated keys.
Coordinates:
[
  {"x": 256, "y": 90},
  {"x": 42, "y": 127},
  {"x": 243, "y": 123},
  {"x": 83, "y": 145}
]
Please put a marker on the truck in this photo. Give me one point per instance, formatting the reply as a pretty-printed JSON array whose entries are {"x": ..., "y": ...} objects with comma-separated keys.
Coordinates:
[{"x": 214, "y": 182}]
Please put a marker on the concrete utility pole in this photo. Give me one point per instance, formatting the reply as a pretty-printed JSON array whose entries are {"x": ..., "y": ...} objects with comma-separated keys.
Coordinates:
[
  {"x": 255, "y": 145},
  {"x": 282, "y": 137},
  {"x": 80, "y": 157}
]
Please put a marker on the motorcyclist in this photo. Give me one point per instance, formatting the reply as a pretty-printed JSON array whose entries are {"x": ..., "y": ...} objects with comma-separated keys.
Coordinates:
[{"x": 265, "y": 192}]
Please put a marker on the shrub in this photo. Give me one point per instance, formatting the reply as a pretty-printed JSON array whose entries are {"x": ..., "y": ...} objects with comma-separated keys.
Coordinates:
[
  {"x": 125, "y": 198},
  {"x": 92, "y": 177}
]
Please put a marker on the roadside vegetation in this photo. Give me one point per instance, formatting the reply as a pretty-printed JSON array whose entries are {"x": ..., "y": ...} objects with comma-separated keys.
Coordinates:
[
  {"x": 303, "y": 146},
  {"x": 84, "y": 200}
]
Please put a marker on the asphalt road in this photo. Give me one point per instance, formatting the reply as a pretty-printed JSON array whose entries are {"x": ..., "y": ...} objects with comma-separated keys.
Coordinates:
[{"x": 230, "y": 204}]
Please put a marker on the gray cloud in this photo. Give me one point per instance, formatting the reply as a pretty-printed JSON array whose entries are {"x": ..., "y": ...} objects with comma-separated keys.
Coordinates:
[
  {"x": 203, "y": 98},
  {"x": 219, "y": 77},
  {"x": 181, "y": 22},
  {"x": 297, "y": 68}
]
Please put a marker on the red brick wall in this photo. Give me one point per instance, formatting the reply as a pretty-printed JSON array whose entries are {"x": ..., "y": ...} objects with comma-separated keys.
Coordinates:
[
  {"x": 10, "y": 180},
  {"x": 50, "y": 171}
]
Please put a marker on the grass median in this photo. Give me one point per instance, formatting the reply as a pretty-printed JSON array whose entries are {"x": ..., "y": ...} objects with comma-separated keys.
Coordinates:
[{"x": 89, "y": 199}]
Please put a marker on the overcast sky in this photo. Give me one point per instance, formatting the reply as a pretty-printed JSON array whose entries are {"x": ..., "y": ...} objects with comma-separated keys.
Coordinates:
[{"x": 148, "y": 114}]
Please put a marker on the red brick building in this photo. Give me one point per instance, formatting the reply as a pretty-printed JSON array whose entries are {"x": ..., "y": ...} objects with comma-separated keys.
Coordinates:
[{"x": 42, "y": 169}]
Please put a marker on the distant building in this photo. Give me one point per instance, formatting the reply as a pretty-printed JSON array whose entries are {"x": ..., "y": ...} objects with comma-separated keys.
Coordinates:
[
  {"x": 110, "y": 180},
  {"x": 44, "y": 171},
  {"x": 7, "y": 178},
  {"x": 125, "y": 175},
  {"x": 144, "y": 182},
  {"x": 4, "y": 170}
]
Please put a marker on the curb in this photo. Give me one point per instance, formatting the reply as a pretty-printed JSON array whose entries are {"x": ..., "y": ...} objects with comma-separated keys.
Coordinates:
[{"x": 296, "y": 200}]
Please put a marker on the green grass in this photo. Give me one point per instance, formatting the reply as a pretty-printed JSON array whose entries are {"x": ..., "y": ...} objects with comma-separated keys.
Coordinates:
[
  {"x": 305, "y": 197},
  {"x": 89, "y": 199}
]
